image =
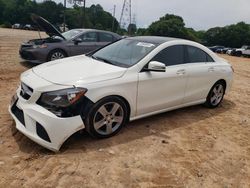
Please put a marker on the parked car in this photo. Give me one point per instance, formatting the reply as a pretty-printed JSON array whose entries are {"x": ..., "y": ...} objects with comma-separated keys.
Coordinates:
[
  {"x": 28, "y": 27},
  {"x": 230, "y": 51},
  {"x": 16, "y": 26},
  {"x": 59, "y": 45},
  {"x": 246, "y": 52},
  {"x": 238, "y": 51},
  {"x": 215, "y": 48},
  {"x": 222, "y": 50},
  {"x": 124, "y": 81}
]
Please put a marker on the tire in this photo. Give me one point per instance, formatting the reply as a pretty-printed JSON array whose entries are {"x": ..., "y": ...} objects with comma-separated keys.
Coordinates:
[
  {"x": 101, "y": 122},
  {"x": 238, "y": 54},
  {"x": 215, "y": 95},
  {"x": 56, "y": 54}
]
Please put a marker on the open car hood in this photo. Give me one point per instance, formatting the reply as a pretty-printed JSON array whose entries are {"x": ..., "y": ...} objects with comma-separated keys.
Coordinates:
[{"x": 46, "y": 26}]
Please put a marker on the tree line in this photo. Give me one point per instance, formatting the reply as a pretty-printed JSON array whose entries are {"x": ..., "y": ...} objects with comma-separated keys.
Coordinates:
[
  {"x": 235, "y": 35},
  {"x": 18, "y": 11}
]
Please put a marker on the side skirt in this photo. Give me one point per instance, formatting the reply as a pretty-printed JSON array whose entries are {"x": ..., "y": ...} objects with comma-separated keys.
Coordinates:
[{"x": 168, "y": 109}]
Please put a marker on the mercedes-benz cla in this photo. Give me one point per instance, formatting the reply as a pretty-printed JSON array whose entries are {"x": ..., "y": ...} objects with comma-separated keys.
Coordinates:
[{"x": 124, "y": 81}]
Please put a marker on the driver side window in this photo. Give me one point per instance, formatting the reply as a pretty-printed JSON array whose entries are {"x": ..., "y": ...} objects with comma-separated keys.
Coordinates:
[
  {"x": 173, "y": 55},
  {"x": 89, "y": 37}
]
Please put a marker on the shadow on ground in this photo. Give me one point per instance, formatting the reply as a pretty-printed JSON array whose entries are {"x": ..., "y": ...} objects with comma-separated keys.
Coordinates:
[{"x": 28, "y": 64}]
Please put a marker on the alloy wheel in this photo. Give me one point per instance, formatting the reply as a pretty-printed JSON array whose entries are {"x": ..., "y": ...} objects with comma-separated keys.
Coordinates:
[
  {"x": 217, "y": 94},
  {"x": 57, "y": 55},
  {"x": 108, "y": 118}
]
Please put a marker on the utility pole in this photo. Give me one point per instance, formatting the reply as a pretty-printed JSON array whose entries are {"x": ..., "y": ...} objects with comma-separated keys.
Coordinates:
[
  {"x": 64, "y": 12},
  {"x": 125, "y": 19},
  {"x": 129, "y": 11},
  {"x": 122, "y": 13},
  {"x": 113, "y": 24},
  {"x": 82, "y": 9},
  {"x": 84, "y": 13}
]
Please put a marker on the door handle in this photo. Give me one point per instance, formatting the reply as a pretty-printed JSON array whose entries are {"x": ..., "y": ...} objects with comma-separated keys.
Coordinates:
[
  {"x": 181, "y": 72},
  {"x": 211, "y": 69}
]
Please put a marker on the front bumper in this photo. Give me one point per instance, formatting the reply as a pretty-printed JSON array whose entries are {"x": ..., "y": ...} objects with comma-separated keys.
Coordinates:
[
  {"x": 28, "y": 115},
  {"x": 33, "y": 55}
]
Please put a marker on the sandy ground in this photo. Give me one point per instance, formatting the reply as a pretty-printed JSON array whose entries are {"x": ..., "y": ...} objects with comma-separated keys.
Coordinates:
[{"x": 191, "y": 147}]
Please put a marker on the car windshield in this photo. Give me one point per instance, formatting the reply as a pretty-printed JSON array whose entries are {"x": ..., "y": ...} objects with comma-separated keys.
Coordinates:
[
  {"x": 70, "y": 34},
  {"x": 124, "y": 53}
]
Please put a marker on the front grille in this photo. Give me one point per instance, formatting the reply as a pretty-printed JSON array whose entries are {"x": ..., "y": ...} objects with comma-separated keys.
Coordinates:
[
  {"x": 18, "y": 113},
  {"x": 26, "y": 91}
]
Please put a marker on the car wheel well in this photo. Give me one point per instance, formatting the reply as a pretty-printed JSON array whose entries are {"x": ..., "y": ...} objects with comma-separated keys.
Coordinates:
[
  {"x": 56, "y": 49},
  {"x": 223, "y": 82}
]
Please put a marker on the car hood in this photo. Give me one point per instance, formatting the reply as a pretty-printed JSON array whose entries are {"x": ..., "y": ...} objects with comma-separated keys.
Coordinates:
[
  {"x": 78, "y": 70},
  {"x": 46, "y": 26},
  {"x": 239, "y": 49}
]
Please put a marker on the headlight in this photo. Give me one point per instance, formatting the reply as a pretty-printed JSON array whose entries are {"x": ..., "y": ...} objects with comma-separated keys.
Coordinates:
[
  {"x": 40, "y": 46},
  {"x": 62, "y": 98}
]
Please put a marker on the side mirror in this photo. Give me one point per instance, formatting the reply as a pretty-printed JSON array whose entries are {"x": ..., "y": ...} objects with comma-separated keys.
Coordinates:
[
  {"x": 156, "y": 66},
  {"x": 77, "y": 40}
]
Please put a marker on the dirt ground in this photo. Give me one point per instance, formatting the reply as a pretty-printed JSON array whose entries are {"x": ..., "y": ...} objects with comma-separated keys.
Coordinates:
[{"x": 191, "y": 147}]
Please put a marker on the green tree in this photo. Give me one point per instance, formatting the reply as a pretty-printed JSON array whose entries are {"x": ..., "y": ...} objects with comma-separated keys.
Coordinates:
[
  {"x": 169, "y": 25},
  {"x": 234, "y": 35},
  {"x": 2, "y": 6}
]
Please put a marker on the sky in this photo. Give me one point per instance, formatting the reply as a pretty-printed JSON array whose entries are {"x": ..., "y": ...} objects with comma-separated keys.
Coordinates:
[{"x": 198, "y": 14}]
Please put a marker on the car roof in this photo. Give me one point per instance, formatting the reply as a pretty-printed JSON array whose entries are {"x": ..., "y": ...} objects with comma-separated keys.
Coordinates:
[
  {"x": 96, "y": 30},
  {"x": 154, "y": 39}
]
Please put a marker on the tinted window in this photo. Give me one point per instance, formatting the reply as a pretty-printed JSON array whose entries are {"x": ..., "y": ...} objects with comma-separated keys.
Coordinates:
[
  {"x": 89, "y": 37},
  {"x": 196, "y": 55},
  {"x": 172, "y": 55},
  {"x": 105, "y": 37}
]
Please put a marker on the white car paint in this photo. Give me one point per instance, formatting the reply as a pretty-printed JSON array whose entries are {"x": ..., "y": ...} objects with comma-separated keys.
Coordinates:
[
  {"x": 147, "y": 93},
  {"x": 246, "y": 52}
]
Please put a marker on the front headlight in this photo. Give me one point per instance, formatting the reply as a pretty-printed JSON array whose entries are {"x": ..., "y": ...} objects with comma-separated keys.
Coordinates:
[
  {"x": 62, "y": 98},
  {"x": 40, "y": 46}
]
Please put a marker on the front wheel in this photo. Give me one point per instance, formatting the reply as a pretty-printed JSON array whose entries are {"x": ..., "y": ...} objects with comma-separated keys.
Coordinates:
[
  {"x": 56, "y": 54},
  {"x": 107, "y": 117},
  {"x": 215, "y": 95}
]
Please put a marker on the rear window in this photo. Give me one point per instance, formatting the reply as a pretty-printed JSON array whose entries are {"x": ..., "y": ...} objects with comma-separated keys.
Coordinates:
[
  {"x": 105, "y": 37},
  {"x": 196, "y": 55}
]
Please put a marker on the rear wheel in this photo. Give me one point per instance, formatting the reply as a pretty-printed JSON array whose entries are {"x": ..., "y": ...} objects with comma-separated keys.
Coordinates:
[
  {"x": 215, "y": 95},
  {"x": 107, "y": 117},
  {"x": 56, "y": 54}
]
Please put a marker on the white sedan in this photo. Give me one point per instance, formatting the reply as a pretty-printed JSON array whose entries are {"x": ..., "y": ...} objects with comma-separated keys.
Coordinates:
[{"x": 127, "y": 80}]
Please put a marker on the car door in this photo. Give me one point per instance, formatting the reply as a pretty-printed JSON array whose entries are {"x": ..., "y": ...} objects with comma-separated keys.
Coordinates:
[
  {"x": 84, "y": 43},
  {"x": 104, "y": 39},
  {"x": 203, "y": 73},
  {"x": 162, "y": 90}
]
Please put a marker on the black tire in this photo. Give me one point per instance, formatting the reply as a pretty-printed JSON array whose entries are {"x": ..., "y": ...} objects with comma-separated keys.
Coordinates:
[
  {"x": 57, "y": 52},
  {"x": 238, "y": 54},
  {"x": 94, "y": 117},
  {"x": 212, "y": 101}
]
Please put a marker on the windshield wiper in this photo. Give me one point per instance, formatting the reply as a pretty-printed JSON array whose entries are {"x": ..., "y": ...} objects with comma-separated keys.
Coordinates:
[{"x": 102, "y": 59}]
